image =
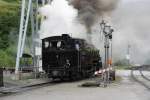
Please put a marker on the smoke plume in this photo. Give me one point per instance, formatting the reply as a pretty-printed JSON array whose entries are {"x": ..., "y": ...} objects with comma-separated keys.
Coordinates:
[
  {"x": 131, "y": 22},
  {"x": 89, "y": 11}
]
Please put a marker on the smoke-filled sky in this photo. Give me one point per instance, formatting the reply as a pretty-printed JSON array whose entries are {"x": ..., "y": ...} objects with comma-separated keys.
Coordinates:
[
  {"x": 130, "y": 20},
  {"x": 60, "y": 19}
]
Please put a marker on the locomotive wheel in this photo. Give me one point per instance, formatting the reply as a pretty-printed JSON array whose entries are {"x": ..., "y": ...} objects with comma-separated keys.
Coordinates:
[
  {"x": 86, "y": 74},
  {"x": 79, "y": 76},
  {"x": 72, "y": 76},
  {"x": 75, "y": 76},
  {"x": 62, "y": 79}
]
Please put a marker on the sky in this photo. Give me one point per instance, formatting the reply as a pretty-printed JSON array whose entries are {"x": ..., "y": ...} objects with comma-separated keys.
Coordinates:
[{"x": 130, "y": 21}]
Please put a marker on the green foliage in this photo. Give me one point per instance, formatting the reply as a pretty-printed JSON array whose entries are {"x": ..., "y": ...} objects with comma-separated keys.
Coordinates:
[
  {"x": 25, "y": 62},
  {"x": 11, "y": 0},
  {"x": 6, "y": 59},
  {"x": 9, "y": 28},
  {"x": 9, "y": 24}
]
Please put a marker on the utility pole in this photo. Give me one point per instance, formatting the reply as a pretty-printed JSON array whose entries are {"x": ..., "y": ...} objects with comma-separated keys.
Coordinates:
[
  {"x": 128, "y": 54},
  {"x": 29, "y": 12}
]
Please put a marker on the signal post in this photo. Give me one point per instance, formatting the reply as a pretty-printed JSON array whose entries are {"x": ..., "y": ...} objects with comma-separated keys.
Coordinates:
[{"x": 107, "y": 32}]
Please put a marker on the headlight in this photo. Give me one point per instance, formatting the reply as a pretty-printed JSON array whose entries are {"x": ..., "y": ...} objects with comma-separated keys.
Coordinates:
[{"x": 46, "y": 44}]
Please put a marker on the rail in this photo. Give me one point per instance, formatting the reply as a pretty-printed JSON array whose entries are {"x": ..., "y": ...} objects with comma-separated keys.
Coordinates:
[
  {"x": 142, "y": 79},
  {"x": 18, "y": 89}
]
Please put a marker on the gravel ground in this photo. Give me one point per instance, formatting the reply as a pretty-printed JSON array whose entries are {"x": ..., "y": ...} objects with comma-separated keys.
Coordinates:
[{"x": 126, "y": 89}]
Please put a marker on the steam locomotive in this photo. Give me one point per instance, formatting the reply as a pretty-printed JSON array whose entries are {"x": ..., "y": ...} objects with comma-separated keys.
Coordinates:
[{"x": 67, "y": 57}]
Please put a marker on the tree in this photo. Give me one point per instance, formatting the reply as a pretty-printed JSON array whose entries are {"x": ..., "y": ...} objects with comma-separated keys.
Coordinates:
[
  {"x": 9, "y": 24},
  {"x": 9, "y": 21}
]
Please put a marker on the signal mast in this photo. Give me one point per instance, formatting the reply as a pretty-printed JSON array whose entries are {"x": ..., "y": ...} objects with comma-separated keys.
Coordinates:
[{"x": 107, "y": 32}]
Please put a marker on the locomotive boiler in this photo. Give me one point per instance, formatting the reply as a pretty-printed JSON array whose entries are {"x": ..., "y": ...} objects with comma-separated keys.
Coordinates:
[{"x": 68, "y": 57}]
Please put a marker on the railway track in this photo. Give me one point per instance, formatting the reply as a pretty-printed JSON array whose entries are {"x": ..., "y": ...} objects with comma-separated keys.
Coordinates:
[
  {"x": 20, "y": 89},
  {"x": 141, "y": 79}
]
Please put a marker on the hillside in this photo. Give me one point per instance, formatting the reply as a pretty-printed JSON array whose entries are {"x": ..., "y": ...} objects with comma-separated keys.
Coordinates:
[{"x": 9, "y": 23}]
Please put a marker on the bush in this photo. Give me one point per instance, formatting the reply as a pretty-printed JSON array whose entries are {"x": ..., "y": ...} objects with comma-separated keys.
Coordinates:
[
  {"x": 6, "y": 60},
  {"x": 9, "y": 28},
  {"x": 9, "y": 23}
]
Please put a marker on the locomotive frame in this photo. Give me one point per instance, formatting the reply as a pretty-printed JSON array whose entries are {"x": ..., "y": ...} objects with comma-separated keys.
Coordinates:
[{"x": 67, "y": 57}]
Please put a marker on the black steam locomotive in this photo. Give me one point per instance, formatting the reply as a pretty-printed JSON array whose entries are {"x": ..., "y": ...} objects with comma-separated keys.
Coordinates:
[{"x": 67, "y": 57}]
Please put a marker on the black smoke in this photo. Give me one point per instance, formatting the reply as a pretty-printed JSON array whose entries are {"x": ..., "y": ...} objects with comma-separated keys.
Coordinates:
[{"x": 89, "y": 11}]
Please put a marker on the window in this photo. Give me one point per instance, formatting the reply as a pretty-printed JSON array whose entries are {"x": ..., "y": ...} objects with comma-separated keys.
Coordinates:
[
  {"x": 46, "y": 44},
  {"x": 77, "y": 46},
  {"x": 59, "y": 44}
]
